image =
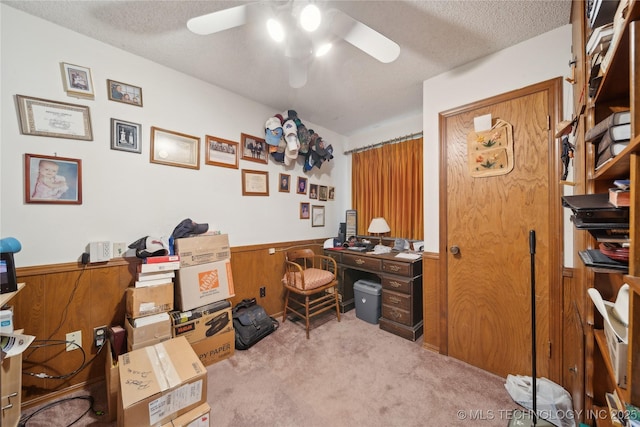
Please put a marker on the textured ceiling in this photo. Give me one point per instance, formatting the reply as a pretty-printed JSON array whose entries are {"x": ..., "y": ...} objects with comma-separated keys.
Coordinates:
[{"x": 347, "y": 90}]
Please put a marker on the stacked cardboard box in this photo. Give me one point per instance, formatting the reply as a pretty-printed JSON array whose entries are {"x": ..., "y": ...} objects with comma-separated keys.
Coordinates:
[
  {"x": 205, "y": 274},
  {"x": 209, "y": 330},
  {"x": 149, "y": 301},
  {"x": 162, "y": 385}
]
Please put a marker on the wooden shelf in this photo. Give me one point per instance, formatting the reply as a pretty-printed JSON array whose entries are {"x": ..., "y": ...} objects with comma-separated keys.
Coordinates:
[
  {"x": 4, "y": 298},
  {"x": 601, "y": 340},
  {"x": 602, "y": 421}
]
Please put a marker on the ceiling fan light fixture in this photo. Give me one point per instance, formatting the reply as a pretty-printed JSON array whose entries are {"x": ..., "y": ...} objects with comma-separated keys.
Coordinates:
[
  {"x": 276, "y": 30},
  {"x": 323, "y": 49},
  {"x": 310, "y": 18}
]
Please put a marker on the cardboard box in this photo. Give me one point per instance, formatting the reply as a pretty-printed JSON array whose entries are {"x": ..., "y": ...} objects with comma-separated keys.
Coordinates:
[
  {"x": 143, "y": 336},
  {"x": 216, "y": 348},
  {"x": 112, "y": 380},
  {"x": 203, "y": 284},
  {"x": 618, "y": 351},
  {"x": 202, "y": 249},
  {"x": 198, "y": 417},
  {"x": 203, "y": 327},
  {"x": 149, "y": 300},
  {"x": 160, "y": 383}
]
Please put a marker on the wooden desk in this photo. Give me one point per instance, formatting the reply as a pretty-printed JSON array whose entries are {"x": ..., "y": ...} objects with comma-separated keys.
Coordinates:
[{"x": 401, "y": 281}]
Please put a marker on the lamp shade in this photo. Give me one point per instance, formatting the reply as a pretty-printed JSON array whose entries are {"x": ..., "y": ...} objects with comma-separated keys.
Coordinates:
[{"x": 378, "y": 225}]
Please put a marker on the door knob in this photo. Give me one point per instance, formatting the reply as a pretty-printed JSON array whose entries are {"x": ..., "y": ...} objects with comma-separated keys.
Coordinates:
[{"x": 455, "y": 250}]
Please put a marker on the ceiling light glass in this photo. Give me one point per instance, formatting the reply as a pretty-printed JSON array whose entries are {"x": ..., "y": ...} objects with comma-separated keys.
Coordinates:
[
  {"x": 323, "y": 49},
  {"x": 310, "y": 17},
  {"x": 275, "y": 29}
]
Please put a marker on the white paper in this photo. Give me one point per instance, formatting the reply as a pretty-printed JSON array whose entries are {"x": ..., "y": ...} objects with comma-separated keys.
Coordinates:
[{"x": 14, "y": 344}]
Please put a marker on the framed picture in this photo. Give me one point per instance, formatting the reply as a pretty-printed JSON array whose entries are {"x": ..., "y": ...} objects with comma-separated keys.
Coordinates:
[
  {"x": 255, "y": 183},
  {"x": 254, "y": 149},
  {"x": 174, "y": 148},
  {"x": 49, "y": 179},
  {"x": 126, "y": 136},
  {"x": 332, "y": 193},
  {"x": 285, "y": 180},
  {"x": 313, "y": 191},
  {"x": 352, "y": 223},
  {"x": 77, "y": 80},
  {"x": 317, "y": 216},
  {"x": 322, "y": 193},
  {"x": 221, "y": 152},
  {"x": 123, "y": 92},
  {"x": 42, "y": 117},
  {"x": 304, "y": 210},
  {"x": 302, "y": 185}
]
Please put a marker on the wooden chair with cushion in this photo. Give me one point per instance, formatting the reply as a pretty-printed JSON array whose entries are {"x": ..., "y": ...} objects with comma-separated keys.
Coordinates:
[{"x": 310, "y": 285}]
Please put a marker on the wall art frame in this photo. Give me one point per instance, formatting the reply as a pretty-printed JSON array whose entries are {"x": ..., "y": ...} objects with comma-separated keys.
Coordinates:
[
  {"x": 284, "y": 183},
  {"x": 254, "y": 149},
  {"x": 304, "y": 210},
  {"x": 52, "y": 179},
  {"x": 313, "y": 191},
  {"x": 44, "y": 117},
  {"x": 302, "y": 185},
  {"x": 221, "y": 152},
  {"x": 124, "y": 92},
  {"x": 174, "y": 148},
  {"x": 322, "y": 193},
  {"x": 77, "y": 81},
  {"x": 255, "y": 183},
  {"x": 126, "y": 136},
  {"x": 317, "y": 216}
]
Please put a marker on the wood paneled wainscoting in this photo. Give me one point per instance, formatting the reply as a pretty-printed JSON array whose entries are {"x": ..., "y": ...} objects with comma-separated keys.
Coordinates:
[{"x": 68, "y": 297}]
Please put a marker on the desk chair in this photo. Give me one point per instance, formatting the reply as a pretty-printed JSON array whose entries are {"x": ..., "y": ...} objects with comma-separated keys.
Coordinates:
[{"x": 313, "y": 277}]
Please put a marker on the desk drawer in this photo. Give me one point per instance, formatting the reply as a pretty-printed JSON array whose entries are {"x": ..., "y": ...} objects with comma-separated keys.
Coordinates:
[
  {"x": 395, "y": 284},
  {"x": 395, "y": 299},
  {"x": 335, "y": 255},
  {"x": 362, "y": 262},
  {"x": 396, "y": 314},
  {"x": 400, "y": 268}
]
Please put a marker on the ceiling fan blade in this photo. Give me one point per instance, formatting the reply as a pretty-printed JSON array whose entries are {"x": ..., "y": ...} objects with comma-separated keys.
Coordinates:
[
  {"x": 297, "y": 73},
  {"x": 218, "y": 21},
  {"x": 364, "y": 37}
]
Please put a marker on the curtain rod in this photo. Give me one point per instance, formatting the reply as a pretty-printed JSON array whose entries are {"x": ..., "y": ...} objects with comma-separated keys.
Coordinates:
[{"x": 389, "y": 141}]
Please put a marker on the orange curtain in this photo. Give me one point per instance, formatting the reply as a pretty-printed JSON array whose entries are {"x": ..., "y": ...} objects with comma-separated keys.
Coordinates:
[{"x": 387, "y": 182}]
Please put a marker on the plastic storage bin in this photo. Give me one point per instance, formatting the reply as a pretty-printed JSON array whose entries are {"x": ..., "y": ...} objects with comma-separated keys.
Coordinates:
[{"x": 367, "y": 296}]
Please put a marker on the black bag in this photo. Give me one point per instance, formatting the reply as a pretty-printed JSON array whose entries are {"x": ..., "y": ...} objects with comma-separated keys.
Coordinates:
[{"x": 251, "y": 323}]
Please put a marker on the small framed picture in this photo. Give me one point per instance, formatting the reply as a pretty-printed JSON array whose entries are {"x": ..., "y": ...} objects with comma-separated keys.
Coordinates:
[
  {"x": 54, "y": 180},
  {"x": 254, "y": 149},
  {"x": 302, "y": 185},
  {"x": 126, "y": 136},
  {"x": 313, "y": 191},
  {"x": 42, "y": 117},
  {"x": 304, "y": 210},
  {"x": 123, "y": 92},
  {"x": 221, "y": 152},
  {"x": 77, "y": 81},
  {"x": 322, "y": 193},
  {"x": 174, "y": 148},
  {"x": 332, "y": 193},
  {"x": 255, "y": 183},
  {"x": 317, "y": 216},
  {"x": 284, "y": 183}
]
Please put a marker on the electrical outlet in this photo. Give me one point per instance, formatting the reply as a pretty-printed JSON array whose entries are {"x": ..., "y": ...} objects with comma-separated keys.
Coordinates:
[
  {"x": 74, "y": 337},
  {"x": 263, "y": 292},
  {"x": 99, "y": 336}
]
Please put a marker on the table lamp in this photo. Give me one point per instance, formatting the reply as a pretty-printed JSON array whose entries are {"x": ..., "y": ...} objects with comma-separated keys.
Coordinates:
[{"x": 379, "y": 226}]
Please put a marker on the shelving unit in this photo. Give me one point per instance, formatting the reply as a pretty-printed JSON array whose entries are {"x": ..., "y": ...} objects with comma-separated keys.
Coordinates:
[
  {"x": 11, "y": 374},
  {"x": 619, "y": 89}
]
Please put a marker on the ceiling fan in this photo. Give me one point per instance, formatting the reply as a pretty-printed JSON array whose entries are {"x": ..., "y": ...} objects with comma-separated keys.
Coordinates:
[{"x": 304, "y": 28}]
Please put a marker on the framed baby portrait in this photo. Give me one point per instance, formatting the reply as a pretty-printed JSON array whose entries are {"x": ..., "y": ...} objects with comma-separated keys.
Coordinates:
[{"x": 53, "y": 180}]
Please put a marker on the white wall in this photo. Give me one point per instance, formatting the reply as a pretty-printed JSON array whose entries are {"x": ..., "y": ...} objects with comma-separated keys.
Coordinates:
[
  {"x": 535, "y": 60},
  {"x": 124, "y": 195}
]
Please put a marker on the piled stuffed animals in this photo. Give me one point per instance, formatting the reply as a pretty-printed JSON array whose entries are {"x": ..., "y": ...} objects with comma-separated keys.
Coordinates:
[{"x": 288, "y": 138}]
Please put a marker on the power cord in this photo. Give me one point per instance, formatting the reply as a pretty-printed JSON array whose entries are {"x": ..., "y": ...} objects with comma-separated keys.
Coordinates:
[
  {"x": 48, "y": 343},
  {"x": 25, "y": 419}
]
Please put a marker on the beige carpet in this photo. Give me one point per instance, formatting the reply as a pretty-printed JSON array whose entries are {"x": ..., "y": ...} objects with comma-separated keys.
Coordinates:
[{"x": 348, "y": 374}]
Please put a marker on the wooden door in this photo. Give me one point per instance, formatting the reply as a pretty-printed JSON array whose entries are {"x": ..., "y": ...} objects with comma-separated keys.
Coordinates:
[{"x": 487, "y": 285}]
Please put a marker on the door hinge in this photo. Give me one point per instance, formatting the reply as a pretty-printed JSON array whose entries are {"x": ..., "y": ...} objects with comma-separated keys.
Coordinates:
[
  {"x": 548, "y": 122},
  {"x": 549, "y": 349}
]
